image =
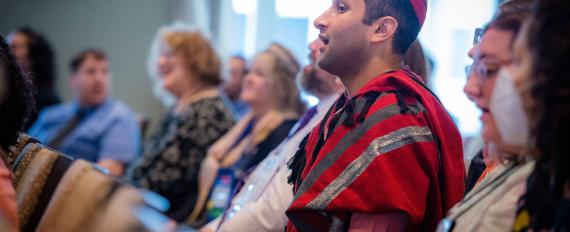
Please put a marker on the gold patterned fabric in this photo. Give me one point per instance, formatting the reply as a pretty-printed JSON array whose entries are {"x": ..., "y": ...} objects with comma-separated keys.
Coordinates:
[
  {"x": 16, "y": 149},
  {"x": 79, "y": 195},
  {"x": 24, "y": 160},
  {"x": 32, "y": 183}
]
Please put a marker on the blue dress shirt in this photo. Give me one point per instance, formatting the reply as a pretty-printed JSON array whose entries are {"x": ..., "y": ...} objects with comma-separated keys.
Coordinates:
[{"x": 107, "y": 131}]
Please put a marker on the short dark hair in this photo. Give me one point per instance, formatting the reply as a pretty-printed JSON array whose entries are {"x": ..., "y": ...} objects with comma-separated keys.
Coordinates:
[
  {"x": 402, "y": 10},
  {"x": 18, "y": 101},
  {"x": 96, "y": 53}
]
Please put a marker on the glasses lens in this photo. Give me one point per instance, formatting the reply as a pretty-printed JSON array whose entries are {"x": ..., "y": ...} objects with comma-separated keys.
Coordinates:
[{"x": 480, "y": 70}]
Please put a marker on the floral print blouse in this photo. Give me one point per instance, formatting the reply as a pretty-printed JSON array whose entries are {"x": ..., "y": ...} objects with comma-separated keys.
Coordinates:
[{"x": 171, "y": 158}]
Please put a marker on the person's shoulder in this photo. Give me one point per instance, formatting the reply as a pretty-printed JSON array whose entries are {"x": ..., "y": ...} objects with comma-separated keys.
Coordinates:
[
  {"x": 119, "y": 109},
  {"x": 523, "y": 172},
  {"x": 214, "y": 105},
  {"x": 58, "y": 111}
]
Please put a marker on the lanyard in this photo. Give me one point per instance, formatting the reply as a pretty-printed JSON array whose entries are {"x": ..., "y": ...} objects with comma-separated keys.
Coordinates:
[{"x": 448, "y": 224}]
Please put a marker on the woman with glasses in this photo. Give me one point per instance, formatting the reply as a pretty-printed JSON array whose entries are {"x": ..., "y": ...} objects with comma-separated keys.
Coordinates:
[
  {"x": 491, "y": 204},
  {"x": 479, "y": 162}
]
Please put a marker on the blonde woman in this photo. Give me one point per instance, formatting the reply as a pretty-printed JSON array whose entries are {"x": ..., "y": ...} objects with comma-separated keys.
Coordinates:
[
  {"x": 270, "y": 91},
  {"x": 189, "y": 70}
]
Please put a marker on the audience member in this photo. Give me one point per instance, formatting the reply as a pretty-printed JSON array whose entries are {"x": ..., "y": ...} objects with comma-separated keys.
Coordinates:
[
  {"x": 480, "y": 164},
  {"x": 416, "y": 60},
  {"x": 36, "y": 58},
  {"x": 93, "y": 126},
  {"x": 539, "y": 69},
  {"x": 190, "y": 71},
  {"x": 16, "y": 103},
  {"x": 271, "y": 92},
  {"x": 260, "y": 205},
  {"x": 387, "y": 122},
  {"x": 491, "y": 204},
  {"x": 237, "y": 71}
]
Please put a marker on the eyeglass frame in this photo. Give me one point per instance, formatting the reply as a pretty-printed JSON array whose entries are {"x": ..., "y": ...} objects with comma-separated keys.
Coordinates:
[
  {"x": 478, "y": 35},
  {"x": 482, "y": 70}
]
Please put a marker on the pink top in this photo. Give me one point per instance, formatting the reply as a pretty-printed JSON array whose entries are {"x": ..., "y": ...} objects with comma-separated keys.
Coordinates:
[
  {"x": 378, "y": 222},
  {"x": 8, "y": 211}
]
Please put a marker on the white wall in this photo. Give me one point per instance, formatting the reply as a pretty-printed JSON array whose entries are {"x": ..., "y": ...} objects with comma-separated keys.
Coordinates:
[{"x": 123, "y": 28}]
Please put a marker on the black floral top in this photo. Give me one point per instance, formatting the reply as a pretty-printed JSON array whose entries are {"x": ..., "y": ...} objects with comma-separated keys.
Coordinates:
[{"x": 172, "y": 156}]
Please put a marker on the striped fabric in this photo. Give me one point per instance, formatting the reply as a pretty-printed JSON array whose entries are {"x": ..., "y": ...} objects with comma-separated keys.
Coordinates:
[{"x": 390, "y": 148}]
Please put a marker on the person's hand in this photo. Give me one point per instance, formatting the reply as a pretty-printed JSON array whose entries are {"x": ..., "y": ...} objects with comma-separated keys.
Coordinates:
[
  {"x": 115, "y": 168},
  {"x": 170, "y": 226},
  {"x": 206, "y": 230}
]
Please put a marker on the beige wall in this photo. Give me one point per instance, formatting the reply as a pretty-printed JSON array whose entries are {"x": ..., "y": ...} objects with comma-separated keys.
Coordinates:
[{"x": 123, "y": 28}]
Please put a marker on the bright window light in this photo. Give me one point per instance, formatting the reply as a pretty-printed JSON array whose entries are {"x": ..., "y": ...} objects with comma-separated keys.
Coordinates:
[
  {"x": 244, "y": 7},
  {"x": 298, "y": 8}
]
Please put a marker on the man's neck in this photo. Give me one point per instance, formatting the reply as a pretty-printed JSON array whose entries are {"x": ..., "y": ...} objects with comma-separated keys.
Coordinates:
[
  {"x": 91, "y": 105},
  {"x": 369, "y": 71}
]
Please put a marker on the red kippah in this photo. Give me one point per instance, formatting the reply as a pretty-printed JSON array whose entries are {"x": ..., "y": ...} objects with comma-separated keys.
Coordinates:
[{"x": 420, "y": 7}]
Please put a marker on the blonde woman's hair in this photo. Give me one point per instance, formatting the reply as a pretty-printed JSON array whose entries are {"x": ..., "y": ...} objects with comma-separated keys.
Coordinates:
[{"x": 283, "y": 85}]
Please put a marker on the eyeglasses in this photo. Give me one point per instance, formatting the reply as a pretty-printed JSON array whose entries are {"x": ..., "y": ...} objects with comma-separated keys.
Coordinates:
[
  {"x": 485, "y": 70},
  {"x": 478, "y": 35}
]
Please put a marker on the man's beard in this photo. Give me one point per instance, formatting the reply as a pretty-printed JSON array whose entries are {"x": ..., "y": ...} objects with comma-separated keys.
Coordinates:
[
  {"x": 342, "y": 62},
  {"x": 310, "y": 82}
]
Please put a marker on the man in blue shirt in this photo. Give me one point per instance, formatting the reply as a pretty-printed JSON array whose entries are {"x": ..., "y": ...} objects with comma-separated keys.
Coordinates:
[
  {"x": 93, "y": 126},
  {"x": 232, "y": 88}
]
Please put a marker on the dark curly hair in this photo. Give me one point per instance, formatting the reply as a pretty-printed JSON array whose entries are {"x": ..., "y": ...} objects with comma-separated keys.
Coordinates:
[
  {"x": 42, "y": 62},
  {"x": 549, "y": 45},
  {"x": 18, "y": 100},
  {"x": 42, "y": 71}
]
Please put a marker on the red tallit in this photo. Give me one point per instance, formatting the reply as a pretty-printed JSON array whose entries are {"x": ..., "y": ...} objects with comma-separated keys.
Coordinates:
[{"x": 391, "y": 148}]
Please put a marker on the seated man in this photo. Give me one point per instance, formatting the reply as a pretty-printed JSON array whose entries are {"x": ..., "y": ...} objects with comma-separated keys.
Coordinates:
[
  {"x": 387, "y": 156},
  {"x": 237, "y": 71},
  {"x": 93, "y": 126}
]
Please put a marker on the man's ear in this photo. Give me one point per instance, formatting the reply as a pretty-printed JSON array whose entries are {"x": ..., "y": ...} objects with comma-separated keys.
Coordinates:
[{"x": 383, "y": 29}]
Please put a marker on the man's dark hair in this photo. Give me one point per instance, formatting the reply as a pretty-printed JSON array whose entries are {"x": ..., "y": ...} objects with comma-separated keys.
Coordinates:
[
  {"x": 18, "y": 100},
  {"x": 76, "y": 62},
  {"x": 402, "y": 10}
]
